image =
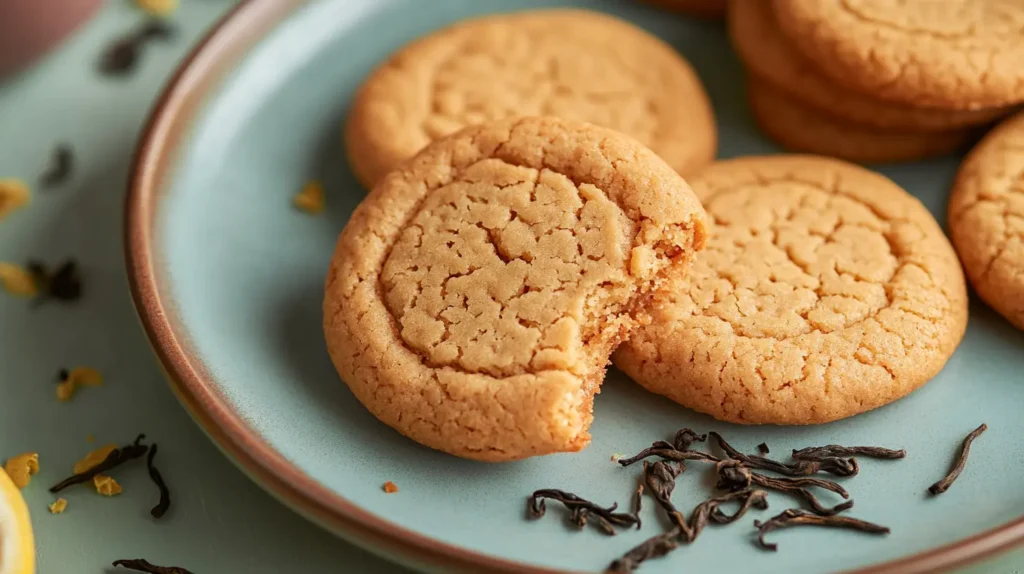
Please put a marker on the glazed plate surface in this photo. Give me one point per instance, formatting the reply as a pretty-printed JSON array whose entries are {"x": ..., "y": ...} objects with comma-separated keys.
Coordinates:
[{"x": 239, "y": 278}]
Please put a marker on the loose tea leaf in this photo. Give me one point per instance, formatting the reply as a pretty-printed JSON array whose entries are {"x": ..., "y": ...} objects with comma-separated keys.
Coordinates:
[
  {"x": 140, "y": 565},
  {"x": 581, "y": 510},
  {"x": 763, "y": 448},
  {"x": 120, "y": 57},
  {"x": 116, "y": 458},
  {"x": 798, "y": 517},
  {"x": 961, "y": 461},
  {"x": 65, "y": 284},
  {"x": 685, "y": 438},
  {"x": 60, "y": 167},
  {"x": 653, "y": 547},
  {"x": 661, "y": 481},
  {"x": 833, "y": 465},
  {"x": 161, "y": 508},
  {"x": 736, "y": 477},
  {"x": 837, "y": 451}
]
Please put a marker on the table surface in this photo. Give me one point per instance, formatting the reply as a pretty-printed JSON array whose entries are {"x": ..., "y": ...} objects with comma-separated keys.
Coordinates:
[{"x": 220, "y": 521}]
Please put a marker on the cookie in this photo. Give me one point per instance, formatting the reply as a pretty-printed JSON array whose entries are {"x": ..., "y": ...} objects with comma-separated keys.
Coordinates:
[
  {"x": 986, "y": 219},
  {"x": 574, "y": 64},
  {"x": 803, "y": 129},
  {"x": 476, "y": 294},
  {"x": 825, "y": 291},
  {"x": 711, "y": 9},
  {"x": 768, "y": 55},
  {"x": 961, "y": 55}
]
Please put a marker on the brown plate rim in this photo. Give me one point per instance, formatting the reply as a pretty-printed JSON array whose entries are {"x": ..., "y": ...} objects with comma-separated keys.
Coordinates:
[{"x": 226, "y": 42}]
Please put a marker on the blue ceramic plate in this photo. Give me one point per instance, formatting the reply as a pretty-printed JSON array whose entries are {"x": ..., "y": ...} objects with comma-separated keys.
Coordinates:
[{"x": 228, "y": 280}]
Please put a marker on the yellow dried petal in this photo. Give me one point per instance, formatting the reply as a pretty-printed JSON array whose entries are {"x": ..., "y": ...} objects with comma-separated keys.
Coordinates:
[
  {"x": 158, "y": 7},
  {"x": 311, "y": 198},
  {"x": 66, "y": 390},
  {"x": 93, "y": 458},
  {"x": 14, "y": 194},
  {"x": 21, "y": 467},
  {"x": 106, "y": 485},
  {"x": 58, "y": 506},
  {"x": 17, "y": 280},
  {"x": 86, "y": 376}
]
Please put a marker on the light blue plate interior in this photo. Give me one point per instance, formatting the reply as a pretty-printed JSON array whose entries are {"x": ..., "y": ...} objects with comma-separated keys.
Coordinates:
[{"x": 246, "y": 273}]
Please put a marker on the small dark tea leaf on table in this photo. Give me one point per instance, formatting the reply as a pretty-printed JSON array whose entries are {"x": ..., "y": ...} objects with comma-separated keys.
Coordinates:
[
  {"x": 961, "y": 461},
  {"x": 832, "y": 465},
  {"x": 116, "y": 458},
  {"x": 763, "y": 448},
  {"x": 161, "y": 508},
  {"x": 581, "y": 510},
  {"x": 838, "y": 451},
  {"x": 140, "y": 565},
  {"x": 798, "y": 517},
  {"x": 61, "y": 166}
]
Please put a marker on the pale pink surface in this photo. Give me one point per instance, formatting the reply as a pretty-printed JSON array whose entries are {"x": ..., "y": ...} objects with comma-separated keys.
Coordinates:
[{"x": 30, "y": 28}]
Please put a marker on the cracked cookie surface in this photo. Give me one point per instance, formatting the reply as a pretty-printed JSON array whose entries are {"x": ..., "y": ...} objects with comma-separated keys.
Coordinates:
[
  {"x": 986, "y": 218},
  {"x": 476, "y": 294},
  {"x": 800, "y": 128},
  {"x": 574, "y": 64},
  {"x": 949, "y": 54},
  {"x": 768, "y": 55},
  {"x": 825, "y": 291}
]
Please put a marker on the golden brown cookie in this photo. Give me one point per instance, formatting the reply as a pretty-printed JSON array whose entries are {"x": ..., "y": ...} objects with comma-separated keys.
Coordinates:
[
  {"x": 825, "y": 291},
  {"x": 477, "y": 292},
  {"x": 986, "y": 218},
  {"x": 769, "y": 56},
  {"x": 803, "y": 129},
  {"x": 574, "y": 64},
  {"x": 949, "y": 54},
  {"x": 711, "y": 9}
]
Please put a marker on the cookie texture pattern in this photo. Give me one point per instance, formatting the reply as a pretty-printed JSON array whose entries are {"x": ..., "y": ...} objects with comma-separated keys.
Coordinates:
[
  {"x": 825, "y": 291},
  {"x": 986, "y": 219},
  {"x": 949, "y": 54},
  {"x": 769, "y": 56},
  {"x": 803, "y": 129},
  {"x": 574, "y": 64},
  {"x": 476, "y": 294}
]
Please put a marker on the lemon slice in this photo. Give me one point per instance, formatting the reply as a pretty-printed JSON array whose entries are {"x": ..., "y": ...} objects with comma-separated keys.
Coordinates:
[{"x": 17, "y": 552}]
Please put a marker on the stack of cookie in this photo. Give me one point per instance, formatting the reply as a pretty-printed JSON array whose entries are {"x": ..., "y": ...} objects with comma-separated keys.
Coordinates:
[{"x": 865, "y": 85}]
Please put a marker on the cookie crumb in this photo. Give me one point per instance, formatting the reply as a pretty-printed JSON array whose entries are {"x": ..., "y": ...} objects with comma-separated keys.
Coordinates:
[
  {"x": 106, "y": 485},
  {"x": 311, "y": 198},
  {"x": 160, "y": 8},
  {"x": 390, "y": 487},
  {"x": 14, "y": 194},
  {"x": 79, "y": 376},
  {"x": 58, "y": 506},
  {"x": 17, "y": 280},
  {"x": 21, "y": 467}
]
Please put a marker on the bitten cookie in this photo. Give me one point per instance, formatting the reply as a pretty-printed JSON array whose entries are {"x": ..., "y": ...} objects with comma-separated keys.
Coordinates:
[
  {"x": 573, "y": 64},
  {"x": 825, "y": 291},
  {"x": 986, "y": 218},
  {"x": 476, "y": 294},
  {"x": 769, "y": 56},
  {"x": 711, "y": 9},
  {"x": 961, "y": 55},
  {"x": 802, "y": 129}
]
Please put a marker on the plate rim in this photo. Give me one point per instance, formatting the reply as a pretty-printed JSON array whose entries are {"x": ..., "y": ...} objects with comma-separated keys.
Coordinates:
[{"x": 220, "y": 49}]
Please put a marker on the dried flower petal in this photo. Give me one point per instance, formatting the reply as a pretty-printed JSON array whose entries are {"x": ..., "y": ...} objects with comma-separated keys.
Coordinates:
[
  {"x": 390, "y": 487},
  {"x": 18, "y": 280},
  {"x": 106, "y": 485},
  {"x": 58, "y": 506},
  {"x": 14, "y": 194},
  {"x": 311, "y": 198},
  {"x": 94, "y": 458},
  {"x": 20, "y": 468},
  {"x": 158, "y": 7}
]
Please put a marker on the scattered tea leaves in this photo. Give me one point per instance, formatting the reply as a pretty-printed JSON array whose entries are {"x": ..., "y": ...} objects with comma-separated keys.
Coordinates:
[
  {"x": 836, "y": 466},
  {"x": 140, "y": 565},
  {"x": 734, "y": 476},
  {"x": 61, "y": 166},
  {"x": 581, "y": 510},
  {"x": 961, "y": 461},
  {"x": 837, "y": 451},
  {"x": 94, "y": 458},
  {"x": 116, "y": 458},
  {"x": 64, "y": 284},
  {"x": 161, "y": 508},
  {"x": 121, "y": 56},
  {"x": 763, "y": 448},
  {"x": 799, "y": 517}
]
